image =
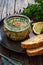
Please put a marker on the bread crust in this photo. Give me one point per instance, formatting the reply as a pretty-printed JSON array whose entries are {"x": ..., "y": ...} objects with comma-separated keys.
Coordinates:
[
  {"x": 33, "y": 52},
  {"x": 34, "y": 42}
]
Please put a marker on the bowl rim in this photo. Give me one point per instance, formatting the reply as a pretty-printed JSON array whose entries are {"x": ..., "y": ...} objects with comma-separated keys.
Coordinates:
[{"x": 16, "y": 15}]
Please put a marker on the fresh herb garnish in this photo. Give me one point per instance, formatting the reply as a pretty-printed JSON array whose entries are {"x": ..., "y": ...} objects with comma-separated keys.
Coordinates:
[{"x": 34, "y": 10}]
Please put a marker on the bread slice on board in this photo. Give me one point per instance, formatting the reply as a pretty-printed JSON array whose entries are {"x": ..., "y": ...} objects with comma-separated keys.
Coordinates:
[
  {"x": 33, "y": 52},
  {"x": 33, "y": 42}
]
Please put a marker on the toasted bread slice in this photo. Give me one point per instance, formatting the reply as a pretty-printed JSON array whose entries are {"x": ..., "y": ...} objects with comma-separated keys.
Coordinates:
[
  {"x": 33, "y": 52},
  {"x": 33, "y": 42}
]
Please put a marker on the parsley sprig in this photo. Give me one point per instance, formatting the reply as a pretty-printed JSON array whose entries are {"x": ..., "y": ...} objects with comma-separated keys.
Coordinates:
[{"x": 34, "y": 10}]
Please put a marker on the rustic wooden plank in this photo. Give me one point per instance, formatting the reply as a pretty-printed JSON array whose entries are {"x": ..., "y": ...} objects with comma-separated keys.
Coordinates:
[
  {"x": 26, "y": 60},
  {"x": 1, "y": 7},
  {"x": 8, "y": 6},
  {"x": 4, "y": 51}
]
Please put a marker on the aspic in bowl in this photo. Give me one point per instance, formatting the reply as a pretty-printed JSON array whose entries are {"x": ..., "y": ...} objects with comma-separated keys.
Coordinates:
[{"x": 17, "y": 27}]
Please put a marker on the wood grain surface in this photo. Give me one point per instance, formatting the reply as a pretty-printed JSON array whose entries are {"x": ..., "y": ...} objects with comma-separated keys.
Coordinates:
[
  {"x": 8, "y": 7},
  {"x": 26, "y": 60}
]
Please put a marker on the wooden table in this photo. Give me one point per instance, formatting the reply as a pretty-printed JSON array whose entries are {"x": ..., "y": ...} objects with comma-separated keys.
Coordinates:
[{"x": 26, "y": 60}]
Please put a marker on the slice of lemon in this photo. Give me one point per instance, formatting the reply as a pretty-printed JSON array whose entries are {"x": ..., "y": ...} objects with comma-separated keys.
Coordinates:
[{"x": 38, "y": 27}]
